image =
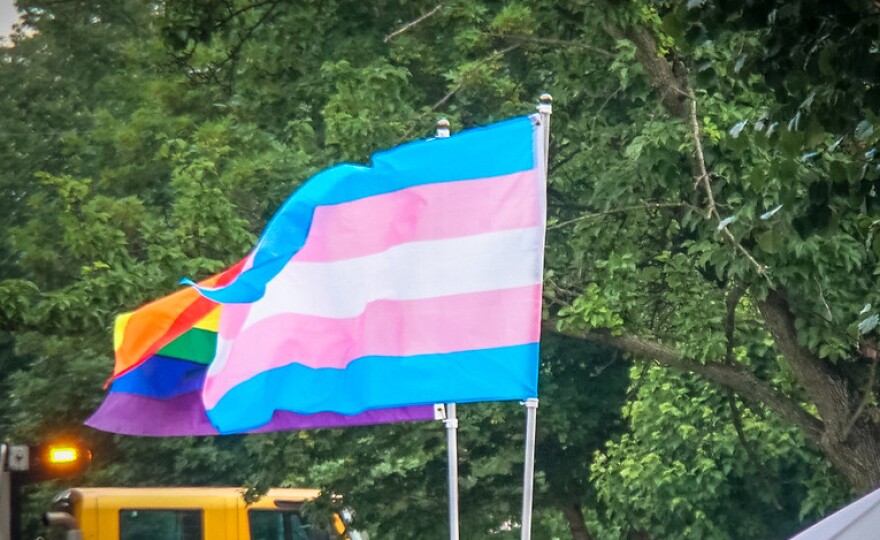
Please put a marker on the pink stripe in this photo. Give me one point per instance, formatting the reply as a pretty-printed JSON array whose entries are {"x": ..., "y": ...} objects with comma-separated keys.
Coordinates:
[
  {"x": 427, "y": 212},
  {"x": 387, "y": 328},
  {"x": 232, "y": 319}
]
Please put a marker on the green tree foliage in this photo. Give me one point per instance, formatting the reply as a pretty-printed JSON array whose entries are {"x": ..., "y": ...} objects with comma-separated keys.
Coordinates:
[{"x": 713, "y": 209}]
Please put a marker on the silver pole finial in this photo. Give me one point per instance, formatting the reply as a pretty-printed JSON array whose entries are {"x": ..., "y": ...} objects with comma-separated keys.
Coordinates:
[
  {"x": 442, "y": 128},
  {"x": 545, "y": 104}
]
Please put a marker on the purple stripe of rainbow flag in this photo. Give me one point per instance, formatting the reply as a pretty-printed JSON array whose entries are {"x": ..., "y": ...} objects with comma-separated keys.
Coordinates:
[{"x": 184, "y": 415}]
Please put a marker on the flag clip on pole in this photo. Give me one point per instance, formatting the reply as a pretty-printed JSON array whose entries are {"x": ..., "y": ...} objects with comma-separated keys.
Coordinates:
[
  {"x": 451, "y": 420},
  {"x": 545, "y": 109}
]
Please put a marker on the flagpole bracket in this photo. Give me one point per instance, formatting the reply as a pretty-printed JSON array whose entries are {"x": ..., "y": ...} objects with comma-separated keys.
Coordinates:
[{"x": 531, "y": 403}]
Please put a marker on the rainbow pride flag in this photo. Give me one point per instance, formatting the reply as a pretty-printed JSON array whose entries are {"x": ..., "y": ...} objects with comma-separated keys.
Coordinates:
[
  {"x": 163, "y": 350},
  {"x": 414, "y": 281}
]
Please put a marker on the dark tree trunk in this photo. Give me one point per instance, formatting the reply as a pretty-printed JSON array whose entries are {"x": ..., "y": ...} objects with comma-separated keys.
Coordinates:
[
  {"x": 850, "y": 439},
  {"x": 576, "y": 523}
]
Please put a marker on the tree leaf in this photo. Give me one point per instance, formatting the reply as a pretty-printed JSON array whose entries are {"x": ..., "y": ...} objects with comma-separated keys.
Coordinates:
[
  {"x": 737, "y": 128},
  {"x": 863, "y": 130},
  {"x": 726, "y": 221},
  {"x": 769, "y": 241},
  {"x": 770, "y": 213},
  {"x": 835, "y": 144},
  {"x": 868, "y": 324}
]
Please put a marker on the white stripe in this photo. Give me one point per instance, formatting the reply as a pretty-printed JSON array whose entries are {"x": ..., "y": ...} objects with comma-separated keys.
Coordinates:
[{"x": 411, "y": 271}]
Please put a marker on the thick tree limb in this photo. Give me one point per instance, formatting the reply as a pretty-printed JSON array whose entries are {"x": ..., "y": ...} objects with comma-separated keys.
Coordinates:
[
  {"x": 671, "y": 85},
  {"x": 851, "y": 443},
  {"x": 576, "y": 522},
  {"x": 735, "y": 377},
  {"x": 827, "y": 390},
  {"x": 867, "y": 394}
]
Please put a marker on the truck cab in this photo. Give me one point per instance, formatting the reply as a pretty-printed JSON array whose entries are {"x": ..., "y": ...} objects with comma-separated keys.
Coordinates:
[{"x": 188, "y": 513}]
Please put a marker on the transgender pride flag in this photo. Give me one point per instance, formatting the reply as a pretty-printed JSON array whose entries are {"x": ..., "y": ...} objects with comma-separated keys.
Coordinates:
[{"x": 416, "y": 280}]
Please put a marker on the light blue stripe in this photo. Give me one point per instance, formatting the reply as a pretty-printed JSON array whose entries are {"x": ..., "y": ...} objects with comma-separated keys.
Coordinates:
[
  {"x": 495, "y": 150},
  {"x": 379, "y": 382}
]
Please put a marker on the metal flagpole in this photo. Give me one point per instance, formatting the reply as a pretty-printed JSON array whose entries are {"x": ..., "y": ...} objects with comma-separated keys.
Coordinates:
[
  {"x": 451, "y": 420},
  {"x": 545, "y": 109},
  {"x": 529, "y": 468},
  {"x": 452, "y": 457}
]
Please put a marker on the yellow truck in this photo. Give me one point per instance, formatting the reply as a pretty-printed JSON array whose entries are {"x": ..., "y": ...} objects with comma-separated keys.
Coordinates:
[{"x": 188, "y": 513}]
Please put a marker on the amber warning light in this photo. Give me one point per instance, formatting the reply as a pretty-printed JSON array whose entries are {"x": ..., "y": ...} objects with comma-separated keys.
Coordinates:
[
  {"x": 43, "y": 461},
  {"x": 58, "y": 460},
  {"x": 63, "y": 454}
]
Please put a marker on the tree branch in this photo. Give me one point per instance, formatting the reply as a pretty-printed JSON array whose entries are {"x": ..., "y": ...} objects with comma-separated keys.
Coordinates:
[
  {"x": 866, "y": 398},
  {"x": 235, "y": 13},
  {"x": 735, "y": 377},
  {"x": 703, "y": 179},
  {"x": 454, "y": 90},
  {"x": 732, "y": 301},
  {"x": 661, "y": 74},
  {"x": 858, "y": 455},
  {"x": 594, "y": 215},
  {"x": 236, "y": 49},
  {"x": 677, "y": 97},
  {"x": 412, "y": 24},
  {"x": 826, "y": 389},
  {"x": 738, "y": 426},
  {"x": 465, "y": 75},
  {"x": 558, "y": 42},
  {"x": 853, "y": 447}
]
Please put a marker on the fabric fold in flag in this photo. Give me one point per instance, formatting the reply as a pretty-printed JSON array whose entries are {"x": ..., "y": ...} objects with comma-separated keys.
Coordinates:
[
  {"x": 140, "y": 334},
  {"x": 411, "y": 282}
]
